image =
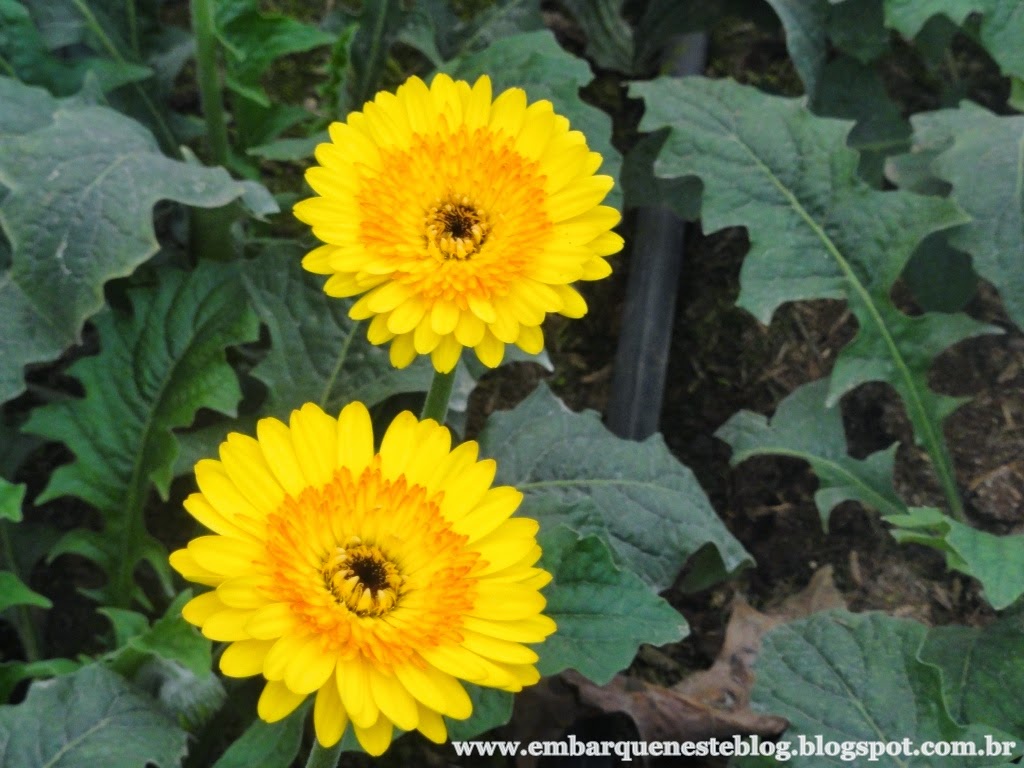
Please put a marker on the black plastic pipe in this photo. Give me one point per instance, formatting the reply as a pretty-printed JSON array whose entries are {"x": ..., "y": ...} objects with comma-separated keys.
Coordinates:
[{"x": 656, "y": 259}]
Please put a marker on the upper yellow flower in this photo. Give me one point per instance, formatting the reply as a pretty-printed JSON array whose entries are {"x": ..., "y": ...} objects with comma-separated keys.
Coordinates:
[
  {"x": 372, "y": 579},
  {"x": 463, "y": 220}
]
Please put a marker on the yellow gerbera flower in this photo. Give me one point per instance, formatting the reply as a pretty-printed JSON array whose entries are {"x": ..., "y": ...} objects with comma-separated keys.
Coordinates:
[
  {"x": 372, "y": 579},
  {"x": 463, "y": 220}
]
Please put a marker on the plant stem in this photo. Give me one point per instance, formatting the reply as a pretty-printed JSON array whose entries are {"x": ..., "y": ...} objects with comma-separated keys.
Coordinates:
[
  {"x": 133, "y": 26},
  {"x": 166, "y": 137},
  {"x": 24, "y": 626},
  {"x": 323, "y": 757},
  {"x": 211, "y": 228},
  {"x": 209, "y": 80},
  {"x": 436, "y": 405}
]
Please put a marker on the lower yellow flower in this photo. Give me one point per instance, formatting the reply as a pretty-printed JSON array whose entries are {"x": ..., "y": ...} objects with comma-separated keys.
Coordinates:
[{"x": 372, "y": 579}]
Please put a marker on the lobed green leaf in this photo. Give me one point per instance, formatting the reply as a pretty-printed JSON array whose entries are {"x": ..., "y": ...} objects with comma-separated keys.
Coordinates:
[
  {"x": 856, "y": 677},
  {"x": 82, "y": 182},
  {"x": 979, "y": 154},
  {"x": 979, "y": 666},
  {"x": 816, "y": 231},
  {"x": 804, "y": 427},
  {"x": 996, "y": 561},
  {"x": 648, "y": 506},
  {"x": 156, "y": 368},
  {"x": 603, "y": 613},
  {"x": 90, "y": 718}
]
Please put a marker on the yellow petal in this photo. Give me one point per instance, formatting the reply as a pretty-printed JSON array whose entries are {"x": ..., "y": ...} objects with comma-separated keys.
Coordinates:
[
  {"x": 227, "y": 624},
  {"x": 329, "y": 718},
  {"x": 579, "y": 197},
  {"x": 224, "y": 555},
  {"x": 431, "y": 725},
  {"x": 529, "y": 630},
  {"x": 272, "y": 621},
  {"x": 469, "y": 331},
  {"x": 276, "y": 662},
  {"x": 277, "y": 702},
  {"x": 464, "y": 491},
  {"x": 490, "y": 351},
  {"x": 276, "y": 443},
  {"x": 402, "y": 351},
  {"x": 406, "y": 316},
  {"x": 377, "y": 738},
  {"x": 353, "y": 679},
  {"x": 505, "y": 602},
  {"x": 393, "y": 700},
  {"x": 446, "y": 354},
  {"x": 318, "y": 260},
  {"x": 201, "y": 607},
  {"x": 531, "y": 339},
  {"x": 355, "y": 438},
  {"x": 497, "y": 650},
  {"x": 310, "y": 667},
  {"x": 573, "y": 304},
  {"x": 248, "y": 592},
  {"x": 435, "y": 689},
  {"x": 424, "y": 338},
  {"x": 444, "y": 316},
  {"x": 229, "y": 509},
  {"x": 248, "y": 469},
  {"x": 313, "y": 435},
  {"x": 496, "y": 506},
  {"x": 244, "y": 658},
  {"x": 182, "y": 561}
]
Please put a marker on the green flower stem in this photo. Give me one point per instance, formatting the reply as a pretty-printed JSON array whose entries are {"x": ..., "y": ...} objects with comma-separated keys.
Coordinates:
[
  {"x": 436, "y": 406},
  {"x": 323, "y": 757},
  {"x": 211, "y": 228},
  {"x": 167, "y": 140},
  {"x": 209, "y": 79},
  {"x": 123, "y": 581},
  {"x": 133, "y": 26}
]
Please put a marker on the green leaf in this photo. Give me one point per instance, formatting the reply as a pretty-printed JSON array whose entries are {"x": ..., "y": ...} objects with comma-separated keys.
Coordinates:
[
  {"x": 804, "y": 23},
  {"x": 856, "y": 677},
  {"x": 379, "y": 24},
  {"x": 804, "y": 427},
  {"x": 535, "y": 62},
  {"x": 79, "y": 211},
  {"x": 491, "y": 708},
  {"x": 13, "y": 672},
  {"x": 15, "y": 592},
  {"x": 439, "y": 33},
  {"x": 267, "y": 745},
  {"x": 603, "y": 613},
  {"x": 982, "y": 162},
  {"x": 996, "y": 561},
  {"x": 156, "y": 368},
  {"x": 935, "y": 256},
  {"x": 648, "y": 506},
  {"x": 852, "y": 90},
  {"x": 816, "y": 231},
  {"x": 858, "y": 29},
  {"x": 609, "y": 36},
  {"x": 170, "y": 638},
  {"x": 11, "y": 497},
  {"x": 91, "y": 718},
  {"x": 317, "y": 353},
  {"x": 1000, "y": 31},
  {"x": 979, "y": 666}
]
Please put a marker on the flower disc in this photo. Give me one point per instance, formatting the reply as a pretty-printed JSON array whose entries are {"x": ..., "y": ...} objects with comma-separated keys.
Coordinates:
[
  {"x": 373, "y": 580},
  {"x": 461, "y": 219}
]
